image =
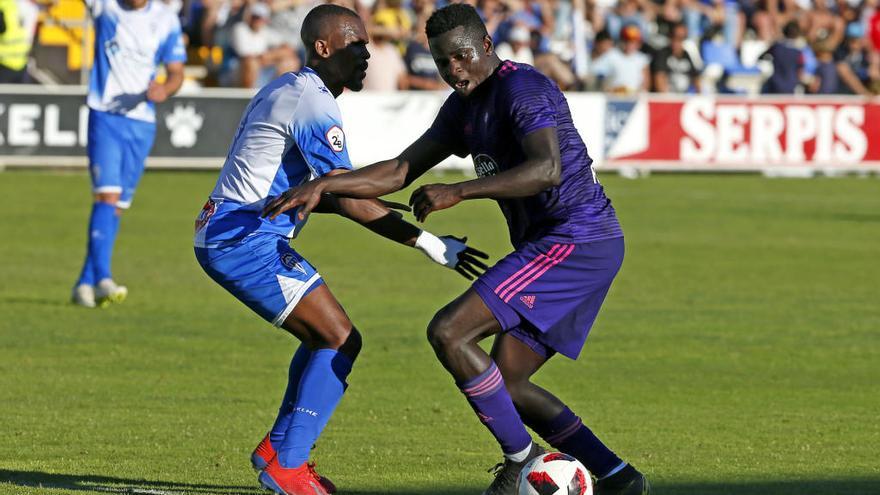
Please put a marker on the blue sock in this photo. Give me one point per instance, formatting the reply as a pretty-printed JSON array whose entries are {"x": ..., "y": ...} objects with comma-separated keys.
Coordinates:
[
  {"x": 285, "y": 413},
  {"x": 570, "y": 435},
  {"x": 87, "y": 275},
  {"x": 320, "y": 390},
  {"x": 102, "y": 234}
]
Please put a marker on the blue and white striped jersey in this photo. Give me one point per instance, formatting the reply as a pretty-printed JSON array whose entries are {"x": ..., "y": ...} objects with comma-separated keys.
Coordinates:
[
  {"x": 129, "y": 47},
  {"x": 290, "y": 132}
]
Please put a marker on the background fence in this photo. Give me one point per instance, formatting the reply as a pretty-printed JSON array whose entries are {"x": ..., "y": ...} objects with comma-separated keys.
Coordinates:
[{"x": 40, "y": 128}]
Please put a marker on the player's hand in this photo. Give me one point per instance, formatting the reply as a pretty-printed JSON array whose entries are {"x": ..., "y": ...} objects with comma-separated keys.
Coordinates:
[
  {"x": 307, "y": 195},
  {"x": 452, "y": 252},
  {"x": 468, "y": 266},
  {"x": 156, "y": 92},
  {"x": 434, "y": 197}
]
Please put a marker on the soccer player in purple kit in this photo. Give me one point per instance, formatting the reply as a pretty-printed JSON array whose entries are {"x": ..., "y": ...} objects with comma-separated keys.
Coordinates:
[{"x": 542, "y": 298}]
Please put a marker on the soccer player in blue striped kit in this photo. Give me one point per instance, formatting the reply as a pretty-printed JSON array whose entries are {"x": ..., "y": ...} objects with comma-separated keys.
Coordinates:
[
  {"x": 132, "y": 38},
  {"x": 290, "y": 133},
  {"x": 542, "y": 298}
]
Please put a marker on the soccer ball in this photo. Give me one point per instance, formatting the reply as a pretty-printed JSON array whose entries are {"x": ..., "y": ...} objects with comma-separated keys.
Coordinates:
[{"x": 554, "y": 474}]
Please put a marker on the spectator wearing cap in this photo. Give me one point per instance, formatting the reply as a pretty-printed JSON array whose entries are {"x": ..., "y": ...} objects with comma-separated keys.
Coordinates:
[
  {"x": 788, "y": 62},
  {"x": 858, "y": 75},
  {"x": 672, "y": 68},
  {"x": 624, "y": 71},
  {"x": 258, "y": 48},
  {"x": 517, "y": 47}
]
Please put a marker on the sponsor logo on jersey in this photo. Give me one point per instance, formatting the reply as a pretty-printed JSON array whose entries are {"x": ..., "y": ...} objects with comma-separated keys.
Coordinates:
[
  {"x": 485, "y": 166},
  {"x": 529, "y": 301},
  {"x": 336, "y": 139}
]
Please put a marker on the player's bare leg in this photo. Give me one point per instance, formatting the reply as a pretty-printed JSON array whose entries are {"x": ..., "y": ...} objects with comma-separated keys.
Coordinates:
[
  {"x": 319, "y": 321},
  {"x": 454, "y": 333},
  {"x": 550, "y": 418}
]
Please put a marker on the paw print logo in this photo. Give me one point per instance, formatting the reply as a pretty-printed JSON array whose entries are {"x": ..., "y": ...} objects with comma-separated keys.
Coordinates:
[{"x": 184, "y": 124}]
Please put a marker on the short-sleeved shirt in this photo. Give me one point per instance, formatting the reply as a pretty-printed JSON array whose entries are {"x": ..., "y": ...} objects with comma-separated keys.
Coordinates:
[
  {"x": 419, "y": 61},
  {"x": 621, "y": 70},
  {"x": 787, "y": 63},
  {"x": 130, "y": 44},
  {"x": 290, "y": 133},
  {"x": 491, "y": 123},
  {"x": 680, "y": 69}
]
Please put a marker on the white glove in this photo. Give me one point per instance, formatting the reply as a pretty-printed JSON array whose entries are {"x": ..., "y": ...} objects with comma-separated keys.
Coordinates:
[{"x": 441, "y": 250}]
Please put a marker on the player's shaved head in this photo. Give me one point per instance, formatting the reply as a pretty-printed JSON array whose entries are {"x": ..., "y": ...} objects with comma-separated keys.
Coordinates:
[
  {"x": 322, "y": 21},
  {"x": 336, "y": 40}
]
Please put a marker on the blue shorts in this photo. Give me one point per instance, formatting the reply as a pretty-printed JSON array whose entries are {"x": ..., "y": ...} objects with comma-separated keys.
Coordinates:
[
  {"x": 548, "y": 294},
  {"x": 118, "y": 147},
  {"x": 262, "y": 271}
]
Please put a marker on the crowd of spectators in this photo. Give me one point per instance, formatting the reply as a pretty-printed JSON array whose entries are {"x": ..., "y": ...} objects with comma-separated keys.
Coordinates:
[{"x": 617, "y": 46}]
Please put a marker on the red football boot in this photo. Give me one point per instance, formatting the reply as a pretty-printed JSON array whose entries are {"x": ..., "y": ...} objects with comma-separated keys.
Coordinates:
[
  {"x": 302, "y": 480},
  {"x": 263, "y": 454}
]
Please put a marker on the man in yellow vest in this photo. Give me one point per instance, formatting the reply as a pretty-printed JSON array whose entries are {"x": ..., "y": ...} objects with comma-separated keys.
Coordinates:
[{"x": 15, "y": 43}]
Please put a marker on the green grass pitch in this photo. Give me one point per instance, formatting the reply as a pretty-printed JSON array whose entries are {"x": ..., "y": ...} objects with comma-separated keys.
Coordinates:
[{"x": 738, "y": 352}]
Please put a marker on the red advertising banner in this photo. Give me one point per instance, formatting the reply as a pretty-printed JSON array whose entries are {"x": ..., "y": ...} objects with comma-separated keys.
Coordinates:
[{"x": 704, "y": 133}]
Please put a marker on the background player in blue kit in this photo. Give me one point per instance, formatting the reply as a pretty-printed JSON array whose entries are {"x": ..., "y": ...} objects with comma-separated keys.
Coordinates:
[
  {"x": 543, "y": 297},
  {"x": 289, "y": 133},
  {"x": 132, "y": 39}
]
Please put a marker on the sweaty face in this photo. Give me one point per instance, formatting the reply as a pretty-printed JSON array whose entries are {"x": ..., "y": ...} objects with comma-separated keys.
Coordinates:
[
  {"x": 350, "y": 53},
  {"x": 463, "y": 59}
]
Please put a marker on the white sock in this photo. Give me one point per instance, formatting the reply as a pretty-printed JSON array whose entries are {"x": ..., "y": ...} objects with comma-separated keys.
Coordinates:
[
  {"x": 521, "y": 455},
  {"x": 615, "y": 470}
]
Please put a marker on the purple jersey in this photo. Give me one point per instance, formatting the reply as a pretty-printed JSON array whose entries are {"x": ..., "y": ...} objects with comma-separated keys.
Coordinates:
[{"x": 490, "y": 124}]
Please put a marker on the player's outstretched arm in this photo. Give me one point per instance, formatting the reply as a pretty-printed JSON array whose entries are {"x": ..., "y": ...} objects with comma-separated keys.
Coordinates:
[
  {"x": 542, "y": 169},
  {"x": 373, "y": 214},
  {"x": 372, "y": 181}
]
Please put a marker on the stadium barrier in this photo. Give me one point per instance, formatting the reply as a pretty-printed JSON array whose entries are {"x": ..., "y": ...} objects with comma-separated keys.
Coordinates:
[{"x": 47, "y": 127}]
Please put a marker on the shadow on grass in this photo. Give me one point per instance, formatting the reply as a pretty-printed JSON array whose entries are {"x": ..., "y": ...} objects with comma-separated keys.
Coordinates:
[
  {"x": 35, "y": 301},
  {"x": 106, "y": 484}
]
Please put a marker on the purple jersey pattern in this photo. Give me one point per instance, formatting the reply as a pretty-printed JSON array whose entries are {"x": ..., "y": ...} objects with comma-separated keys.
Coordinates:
[{"x": 490, "y": 124}]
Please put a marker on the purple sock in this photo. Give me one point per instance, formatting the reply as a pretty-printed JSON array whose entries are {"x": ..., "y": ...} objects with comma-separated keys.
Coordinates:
[
  {"x": 568, "y": 434},
  {"x": 488, "y": 397}
]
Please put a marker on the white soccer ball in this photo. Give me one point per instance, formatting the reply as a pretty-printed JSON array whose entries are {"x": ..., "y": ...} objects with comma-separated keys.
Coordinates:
[{"x": 554, "y": 474}]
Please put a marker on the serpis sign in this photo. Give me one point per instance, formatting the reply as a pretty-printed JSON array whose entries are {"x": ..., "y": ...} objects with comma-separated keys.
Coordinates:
[{"x": 741, "y": 134}]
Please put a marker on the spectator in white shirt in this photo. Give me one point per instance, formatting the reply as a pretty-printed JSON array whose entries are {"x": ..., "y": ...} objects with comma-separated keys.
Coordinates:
[{"x": 258, "y": 47}]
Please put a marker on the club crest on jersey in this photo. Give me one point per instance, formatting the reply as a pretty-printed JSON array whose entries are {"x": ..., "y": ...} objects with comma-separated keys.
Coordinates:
[
  {"x": 485, "y": 166},
  {"x": 290, "y": 261},
  {"x": 336, "y": 139},
  {"x": 206, "y": 214}
]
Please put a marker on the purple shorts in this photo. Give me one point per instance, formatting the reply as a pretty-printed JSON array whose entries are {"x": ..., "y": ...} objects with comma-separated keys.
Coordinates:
[{"x": 547, "y": 294}]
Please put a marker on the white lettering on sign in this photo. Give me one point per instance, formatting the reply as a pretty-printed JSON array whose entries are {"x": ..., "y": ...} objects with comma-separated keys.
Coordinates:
[
  {"x": 21, "y": 124},
  {"x": 52, "y": 133},
  {"x": 776, "y": 134}
]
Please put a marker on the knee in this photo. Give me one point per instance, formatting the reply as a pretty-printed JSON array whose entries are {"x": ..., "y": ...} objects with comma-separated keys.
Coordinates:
[
  {"x": 352, "y": 345},
  {"x": 442, "y": 332},
  {"x": 111, "y": 198}
]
